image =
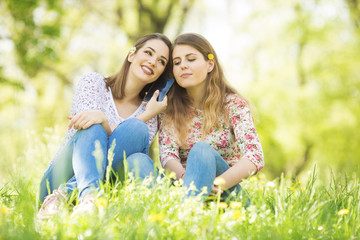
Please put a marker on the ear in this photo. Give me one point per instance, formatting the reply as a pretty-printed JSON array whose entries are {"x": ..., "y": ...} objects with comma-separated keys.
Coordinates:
[
  {"x": 211, "y": 65},
  {"x": 131, "y": 57}
]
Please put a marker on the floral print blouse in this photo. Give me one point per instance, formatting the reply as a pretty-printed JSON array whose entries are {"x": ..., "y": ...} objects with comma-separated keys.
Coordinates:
[
  {"x": 91, "y": 94},
  {"x": 233, "y": 142}
]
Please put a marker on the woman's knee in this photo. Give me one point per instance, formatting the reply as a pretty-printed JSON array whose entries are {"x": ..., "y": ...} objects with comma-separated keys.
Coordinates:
[
  {"x": 134, "y": 126},
  {"x": 140, "y": 164},
  {"x": 201, "y": 152},
  {"x": 201, "y": 146},
  {"x": 96, "y": 130},
  {"x": 138, "y": 126},
  {"x": 202, "y": 149},
  {"x": 140, "y": 159}
]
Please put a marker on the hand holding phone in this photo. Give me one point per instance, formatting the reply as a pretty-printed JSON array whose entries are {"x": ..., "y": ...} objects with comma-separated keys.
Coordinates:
[{"x": 163, "y": 85}]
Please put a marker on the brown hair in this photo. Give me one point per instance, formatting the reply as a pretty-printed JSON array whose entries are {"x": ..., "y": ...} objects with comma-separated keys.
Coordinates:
[
  {"x": 117, "y": 81},
  {"x": 216, "y": 90}
]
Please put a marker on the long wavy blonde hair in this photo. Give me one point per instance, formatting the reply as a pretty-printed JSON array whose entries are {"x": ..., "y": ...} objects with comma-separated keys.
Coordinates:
[{"x": 217, "y": 88}]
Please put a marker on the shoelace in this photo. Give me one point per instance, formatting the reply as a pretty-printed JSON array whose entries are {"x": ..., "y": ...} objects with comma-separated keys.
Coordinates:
[{"x": 53, "y": 197}]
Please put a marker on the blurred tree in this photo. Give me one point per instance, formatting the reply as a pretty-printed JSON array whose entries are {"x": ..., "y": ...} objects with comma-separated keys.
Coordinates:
[
  {"x": 143, "y": 16},
  {"x": 307, "y": 91},
  {"x": 354, "y": 9},
  {"x": 34, "y": 32},
  {"x": 49, "y": 43}
]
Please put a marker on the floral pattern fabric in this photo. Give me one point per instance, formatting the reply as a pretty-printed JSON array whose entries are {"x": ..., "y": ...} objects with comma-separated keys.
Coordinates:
[
  {"x": 234, "y": 141},
  {"x": 91, "y": 94}
]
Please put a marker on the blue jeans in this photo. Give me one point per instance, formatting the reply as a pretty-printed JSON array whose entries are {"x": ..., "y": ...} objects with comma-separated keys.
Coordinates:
[
  {"x": 82, "y": 162},
  {"x": 204, "y": 164}
]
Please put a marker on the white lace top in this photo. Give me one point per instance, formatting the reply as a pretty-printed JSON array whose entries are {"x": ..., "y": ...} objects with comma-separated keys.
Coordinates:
[{"x": 91, "y": 94}]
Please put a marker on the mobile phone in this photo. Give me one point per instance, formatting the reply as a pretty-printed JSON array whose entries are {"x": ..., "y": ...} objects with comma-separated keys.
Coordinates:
[{"x": 163, "y": 85}]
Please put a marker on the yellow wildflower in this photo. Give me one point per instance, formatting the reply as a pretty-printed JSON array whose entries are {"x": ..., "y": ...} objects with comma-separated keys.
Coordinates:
[
  {"x": 210, "y": 56},
  {"x": 156, "y": 217},
  {"x": 219, "y": 181},
  {"x": 235, "y": 204},
  {"x": 223, "y": 205},
  {"x": 253, "y": 179},
  {"x": 172, "y": 175},
  {"x": 237, "y": 215},
  {"x": 343, "y": 212},
  {"x": 4, "y": 209},
  {"x": 101, "y": 202},
  {"x": 292, "y": 188}
]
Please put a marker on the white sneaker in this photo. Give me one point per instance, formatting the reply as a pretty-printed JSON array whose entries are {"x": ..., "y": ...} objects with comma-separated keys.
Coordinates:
[
  {"x": 52, "y": 204},
  {"x": 86, "y": 207}
]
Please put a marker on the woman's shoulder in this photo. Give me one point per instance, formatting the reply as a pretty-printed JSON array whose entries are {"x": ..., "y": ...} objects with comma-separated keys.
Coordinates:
[
  {"x": 235, "y": 99},
  {"x": 92, "y": 78}
]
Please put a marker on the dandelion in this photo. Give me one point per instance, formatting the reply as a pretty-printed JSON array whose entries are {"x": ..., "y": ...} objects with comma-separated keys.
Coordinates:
[
  {"x": 210, "y": 56},
  {"x": 101, "y": 202},
  {"x": 343, "y": 212},
  {"x": 292, "y": 188},
  {"x": 223, "y": 205},
  {"x": 237, "y": 215},
  {"x": 172, "y": 175},
  {"x": 4, "y": 210},
  {"x": 156, "y": 217},
  {"x": 235, "y": 204},
  {"x": 219, "y": 181},
  {"x": 253, "y": 179}
]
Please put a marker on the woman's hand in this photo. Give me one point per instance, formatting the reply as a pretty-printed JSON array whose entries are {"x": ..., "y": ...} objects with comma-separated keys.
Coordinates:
[
  {"x": 153, "y": 107},
  {"x": 86, "y": 119},
  {"x": 215, "y": 190}
]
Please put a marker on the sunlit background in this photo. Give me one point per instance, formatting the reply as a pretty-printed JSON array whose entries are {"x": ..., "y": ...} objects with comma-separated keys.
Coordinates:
[{"x": 297, "y": 61}]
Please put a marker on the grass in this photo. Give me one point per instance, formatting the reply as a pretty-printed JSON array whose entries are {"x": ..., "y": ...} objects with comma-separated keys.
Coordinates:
[{"x": 281, "y": 208}]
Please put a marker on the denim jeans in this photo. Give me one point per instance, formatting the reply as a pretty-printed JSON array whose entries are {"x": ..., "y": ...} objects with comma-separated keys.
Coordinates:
[
  {"x": 81, "y": 165},
  {"x": 203, "y": 165}
]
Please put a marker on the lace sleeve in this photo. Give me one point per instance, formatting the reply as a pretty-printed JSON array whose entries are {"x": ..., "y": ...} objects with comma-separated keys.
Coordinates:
[{"x": 88, "y": 94}]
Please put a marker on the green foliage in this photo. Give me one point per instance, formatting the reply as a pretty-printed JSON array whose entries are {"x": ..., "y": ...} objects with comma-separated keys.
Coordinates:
[
  {"x": 35, "y": 33},
  {"x": 303, "y": 59},
  {"x": 308, "y": 88},
  {"x": 50, "y": 43},
  {"x": 280, "y": 209}
]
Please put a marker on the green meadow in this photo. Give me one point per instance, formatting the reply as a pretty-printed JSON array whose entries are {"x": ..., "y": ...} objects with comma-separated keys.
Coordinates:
[
  {"x": 280, "y": 208},
  {"x": 297, "y": 61}
]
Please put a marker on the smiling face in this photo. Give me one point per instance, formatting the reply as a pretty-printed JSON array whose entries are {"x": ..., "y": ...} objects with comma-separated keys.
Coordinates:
[
  {"x": 190, "y": 68},
  {"x": 149, "y": 62}
]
